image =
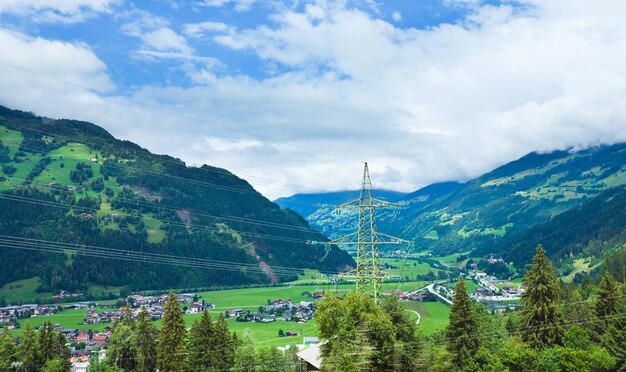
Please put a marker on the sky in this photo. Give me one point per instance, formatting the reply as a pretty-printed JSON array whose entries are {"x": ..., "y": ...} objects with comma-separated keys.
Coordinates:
[{"x": 295, "y": 95}]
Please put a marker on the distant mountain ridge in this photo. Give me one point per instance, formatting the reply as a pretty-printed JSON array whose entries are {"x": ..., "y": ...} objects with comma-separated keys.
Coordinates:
[
  {"x": 72, "y": 182},
  {"x": 481, "y": 214}
]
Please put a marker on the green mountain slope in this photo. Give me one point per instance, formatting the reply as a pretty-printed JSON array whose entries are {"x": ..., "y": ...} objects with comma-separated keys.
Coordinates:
[
  {"x": 513, "y": 198},
  {"x": 483, "y": 213},
  {"x": 72, "y": 182},
  {"x": 318, "y": 209},
  {"x": 589, "y": 230}
]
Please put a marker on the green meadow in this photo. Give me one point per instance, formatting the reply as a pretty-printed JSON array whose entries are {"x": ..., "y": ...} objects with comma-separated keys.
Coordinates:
[{"x": 434, "y": 315}]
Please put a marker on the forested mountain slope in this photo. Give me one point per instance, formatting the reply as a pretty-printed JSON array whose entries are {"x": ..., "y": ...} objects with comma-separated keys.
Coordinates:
[
  {"x": 72, "y": 182},
  {"x": 482, "y": 213},
  {"x": 589, "y": 230},
  {"x": 319, "y": 209}
]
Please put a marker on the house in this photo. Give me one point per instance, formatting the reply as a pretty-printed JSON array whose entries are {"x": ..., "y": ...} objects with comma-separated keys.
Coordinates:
[
  {"x": 291, "y": 334},
  {"x": 312, "y": 356},
  {"x": 234, "y": 313}
]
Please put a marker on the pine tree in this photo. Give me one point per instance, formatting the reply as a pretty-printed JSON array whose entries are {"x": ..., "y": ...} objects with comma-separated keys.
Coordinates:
[
  {"x": 47, "y": 342},
  {"x": 28, "y": 350},
  {"x": 541, "y": 320},
  {"x": 614, "y": 339},
  {"x": 127, "y": 318},
  {"x": 225, "y": 343},
  {"x": 61, "y": 351},
  {"x": 202, "y": 343},
  {"x": 606, "y": 302},
  {"x": 171, "y": 347},
  {"x": 462, "y": 330},
  {"x": 145, "y": 343},
  {"x": 7, "y": 349}
]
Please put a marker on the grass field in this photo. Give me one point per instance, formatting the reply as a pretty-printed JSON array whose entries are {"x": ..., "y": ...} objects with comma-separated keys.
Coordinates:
[
  {"x": 250, "y": 299},
  {"x": 434, "y": 315},
  {"x": 22, "y": 290},
  {"x": 411, "y": 268}
]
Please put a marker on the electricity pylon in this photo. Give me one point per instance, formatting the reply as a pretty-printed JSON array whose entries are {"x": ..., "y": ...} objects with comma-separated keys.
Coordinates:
[{"x": 368, "y": 275}]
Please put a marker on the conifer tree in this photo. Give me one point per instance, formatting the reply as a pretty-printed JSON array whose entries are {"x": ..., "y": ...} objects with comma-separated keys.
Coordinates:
[
  {"x": 606, "y": 302},
  {"x": 614, "y": 339},
  {"x": 127, "y": 318},
  {"x": 28, "y": 350},
  {"x": 541, "y": 319},
  {"x": 462, "y": 330},
  {"x": 62, "y": 351},
  {"x": 225, "y": 344},
  {"x": 47, "y": 342},
  {"x": 7, "y": 349},
  {"x": 171, "y": 347},
  {"x": 145, "y": 343},
  {"x": 202, "y": 343}
]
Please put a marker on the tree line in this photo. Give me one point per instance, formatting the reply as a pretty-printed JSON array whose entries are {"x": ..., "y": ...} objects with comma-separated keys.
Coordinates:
[{"x": 559, "y": 327}]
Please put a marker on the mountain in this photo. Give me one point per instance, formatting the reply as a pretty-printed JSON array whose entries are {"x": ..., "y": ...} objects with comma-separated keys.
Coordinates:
[
  {"x": 70, "y": 182},
  {"x": 482, "y": 214},
  {"x": 319, "y": 209},
  {"x": 588, "y": 230},
  {"x": 512, "y": 198}
]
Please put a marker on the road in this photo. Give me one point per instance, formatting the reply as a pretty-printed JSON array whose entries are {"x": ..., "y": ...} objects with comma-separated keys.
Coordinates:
[
  {"x": 419, "y": 317},
  {"x": 431, "y": 289}
]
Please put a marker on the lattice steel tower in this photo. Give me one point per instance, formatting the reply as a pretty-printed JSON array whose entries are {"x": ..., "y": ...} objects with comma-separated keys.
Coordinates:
[{"x": 368, "y": 275}]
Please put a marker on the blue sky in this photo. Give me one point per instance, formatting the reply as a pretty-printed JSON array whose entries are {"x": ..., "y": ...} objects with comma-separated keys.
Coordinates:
[
  {"x": 115, "y": 35},
  {"x": 303, "y": 91}
]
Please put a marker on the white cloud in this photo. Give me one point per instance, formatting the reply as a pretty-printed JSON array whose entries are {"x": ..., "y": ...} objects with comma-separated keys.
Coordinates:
[
  {"x": 57, "y": 11},
  {"x": 421, "y": 105},
  {"x": 197, "y": 30},
  {"x": 166, "y": 40},
  {"x": 239, "y": 5},
  {"x": 396, "y": 16}
]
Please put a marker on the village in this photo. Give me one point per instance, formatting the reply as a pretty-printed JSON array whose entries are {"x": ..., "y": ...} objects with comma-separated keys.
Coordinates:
[{"x": 84, "y": 342}]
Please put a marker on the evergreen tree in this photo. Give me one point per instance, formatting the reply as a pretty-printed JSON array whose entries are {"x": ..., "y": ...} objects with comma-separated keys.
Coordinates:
[
  {"x": 171, "y": 347},
  {"x": 541, "y": 319},
  {"x": 62, "y": 352},
  {"x": 614, "y": 339},
  {"x": 121, "y": 351},
  {"x": 47, "y": 342},
  {"x": 28, "y": 350},
  {"x": 145, "y": 343},
  {"x": 202, "y": 343},
  {"x": 245, "y": 355},
  {"x": 225, "y": 344},
  {"x": 7, "y": 349},
  {"x": 462, "y": 331},
  {"x": 606, "y": 302},
  {"x": 127, "y": 318}
]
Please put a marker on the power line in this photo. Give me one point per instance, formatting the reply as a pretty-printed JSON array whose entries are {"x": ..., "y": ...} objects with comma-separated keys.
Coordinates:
[{"x": 8, "y": 241}]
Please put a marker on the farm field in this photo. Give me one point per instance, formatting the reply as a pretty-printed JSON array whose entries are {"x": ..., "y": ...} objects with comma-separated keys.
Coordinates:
[
  {"x": 434, "y": 315},
  {"x": 250, "y": 299},
  {"x": 22, "y": 290},
  {"x": 411, "y": 268}
]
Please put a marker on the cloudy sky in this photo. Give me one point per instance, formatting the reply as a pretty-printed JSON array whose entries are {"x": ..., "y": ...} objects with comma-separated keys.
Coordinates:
[{"x": 294, "y": 95}]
